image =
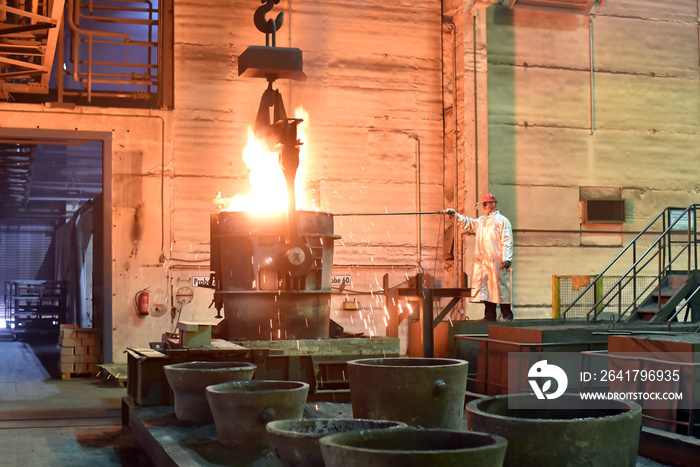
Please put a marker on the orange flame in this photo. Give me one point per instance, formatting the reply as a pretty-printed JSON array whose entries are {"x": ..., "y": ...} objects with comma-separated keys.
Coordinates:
[{"x": 267, "y": 191}]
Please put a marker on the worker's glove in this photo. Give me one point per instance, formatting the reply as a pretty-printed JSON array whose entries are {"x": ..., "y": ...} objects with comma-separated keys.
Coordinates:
[
  {"x": 506, "y": 264},
  {"x": 450, "y": 212}
]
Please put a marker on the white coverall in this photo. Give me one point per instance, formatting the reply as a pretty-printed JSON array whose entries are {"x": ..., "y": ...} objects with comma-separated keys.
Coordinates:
[{"x": 490, "y": 282}]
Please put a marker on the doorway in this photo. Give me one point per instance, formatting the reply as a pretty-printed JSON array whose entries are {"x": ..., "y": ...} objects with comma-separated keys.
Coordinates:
[{"x": 55, "y": 235}]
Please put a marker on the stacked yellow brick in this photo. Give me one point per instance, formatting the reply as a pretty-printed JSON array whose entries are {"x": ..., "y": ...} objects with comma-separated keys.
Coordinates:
[{"x": 81, "y": 351}]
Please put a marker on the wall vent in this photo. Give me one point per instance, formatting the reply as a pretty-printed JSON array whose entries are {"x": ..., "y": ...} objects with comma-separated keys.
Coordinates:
[
  {"x": 579, "y": 7},
  {"x": 604, "y": 211}
]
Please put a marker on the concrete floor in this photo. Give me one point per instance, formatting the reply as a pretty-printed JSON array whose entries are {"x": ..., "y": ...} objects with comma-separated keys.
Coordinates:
[{"x": 48, "y": 421}]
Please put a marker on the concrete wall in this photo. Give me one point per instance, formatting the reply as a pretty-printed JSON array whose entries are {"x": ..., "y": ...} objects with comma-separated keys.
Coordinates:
[{"x": 632, "y": 122}]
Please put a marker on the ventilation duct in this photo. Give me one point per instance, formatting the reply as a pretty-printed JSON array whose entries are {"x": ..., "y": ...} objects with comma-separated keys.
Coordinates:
[
  {"x": 604, "y": 211},
  {"x": 578, "y": 7}
]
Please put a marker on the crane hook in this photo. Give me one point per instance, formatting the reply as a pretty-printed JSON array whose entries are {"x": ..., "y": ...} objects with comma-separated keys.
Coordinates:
[{"x": 268, "y": 26}]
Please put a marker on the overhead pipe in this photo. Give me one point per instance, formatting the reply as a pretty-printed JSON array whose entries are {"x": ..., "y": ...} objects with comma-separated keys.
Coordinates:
[
  {"x": 74, "y": 14},
  {"x": 65, "y": 186},
  {"x": 32, "y": 142},
  {"x": 73, "y": 19},
  {"x": 111, "y": 19},
  {"x": 60, "y": 198},
  {"x": 131, "y": 95}
]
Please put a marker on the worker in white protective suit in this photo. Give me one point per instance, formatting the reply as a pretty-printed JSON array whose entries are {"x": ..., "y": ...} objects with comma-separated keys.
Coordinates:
[{"x": 493, "y": 254}]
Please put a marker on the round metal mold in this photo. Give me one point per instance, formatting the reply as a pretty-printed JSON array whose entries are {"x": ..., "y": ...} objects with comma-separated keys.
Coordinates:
[
  {"x": 189, "y": 380},
  {"x": 295, "y": 443},
  {"x": 578, "y": 435},
  {"x": 413, "y": 447},
  {"x": 242, "y": 409},
  {"x": 426, "y": 392}
]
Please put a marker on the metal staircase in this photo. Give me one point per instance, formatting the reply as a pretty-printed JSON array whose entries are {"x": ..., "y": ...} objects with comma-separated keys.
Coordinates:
[
  {"x": 29, "y": 33},
  {"x": 661, "y": 304},
  {"x": 667, "y": 251}
]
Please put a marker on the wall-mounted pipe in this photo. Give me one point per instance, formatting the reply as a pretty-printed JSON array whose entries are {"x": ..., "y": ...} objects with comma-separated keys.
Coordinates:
[
  {"x": 419, "y": 252},
  {"x": 289, "y": 44},
  {"x": 591, "y": 75},
  {"x": 74, "y": 13},
  {"x": 456, "y": 245},
  {"x": 476, "y": 118},
  {"x": 413, "y": 213}
]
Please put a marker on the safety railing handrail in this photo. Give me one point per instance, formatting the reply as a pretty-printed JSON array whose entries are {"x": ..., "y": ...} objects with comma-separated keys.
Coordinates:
[
  {"x": 633, "y": 304},
  {"x": 609, "y": 266},
  {"x": 658, "y": 247},
  {"x": 143, "y": 73},
  {"x": 657, "y": 279},
  {"x": 686, "y": 304},
  {"x": 661, "y": 272},
  {"x": 620, "y": 255}
]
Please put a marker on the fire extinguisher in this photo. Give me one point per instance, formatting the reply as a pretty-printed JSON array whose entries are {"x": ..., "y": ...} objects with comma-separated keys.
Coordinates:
[{"x": 141, "y": 301}]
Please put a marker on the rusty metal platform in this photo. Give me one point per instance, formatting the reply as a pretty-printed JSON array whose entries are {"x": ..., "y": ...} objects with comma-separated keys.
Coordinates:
[{"x": 318, "y": 362}]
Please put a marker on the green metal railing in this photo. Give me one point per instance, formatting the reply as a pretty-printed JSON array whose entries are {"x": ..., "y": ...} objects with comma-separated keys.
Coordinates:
[{"x": 675, "y": 250}]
